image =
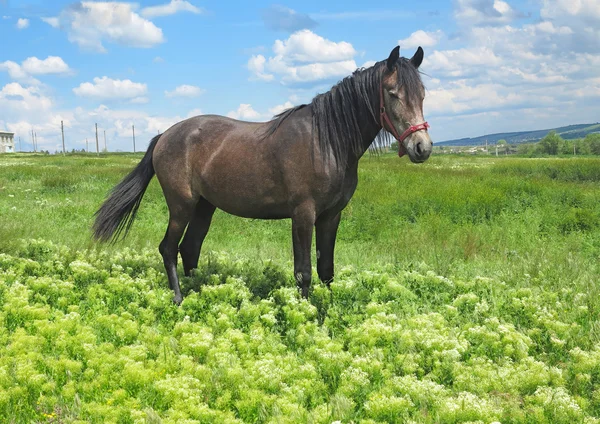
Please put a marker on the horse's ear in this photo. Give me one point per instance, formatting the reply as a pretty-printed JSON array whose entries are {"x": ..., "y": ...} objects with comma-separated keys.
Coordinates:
[
  {"x": 417, "y": 59},
  {"x": 391, "y": 61}
]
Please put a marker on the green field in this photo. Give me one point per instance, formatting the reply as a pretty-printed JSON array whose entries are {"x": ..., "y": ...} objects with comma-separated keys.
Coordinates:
[{"x": 466, "y": 291}]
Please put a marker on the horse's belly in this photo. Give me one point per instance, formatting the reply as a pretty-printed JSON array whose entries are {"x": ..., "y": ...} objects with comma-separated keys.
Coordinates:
[
  {"x": 248, "y": 196},
  {"x": 246, "y": 208}
]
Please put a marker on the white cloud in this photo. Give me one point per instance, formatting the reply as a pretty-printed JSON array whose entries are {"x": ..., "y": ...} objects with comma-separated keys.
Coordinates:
[
  {"x": 155, "y": 124},
  {"x": 23, "y": 108},
  {"x": 306, "y": 46},
  {"x": 34, "y": 66},
  {"x": 459, "y": 97},
  {"x": 108, "y": 88},
  {"x": 88, "y": 24},
  {"x": 582, "y": 17},
  {"x": 484, "y": 12},
  {"x": 421, "y": 38},
  {"x": 22, "y": 23},
  {"x": 50, "y": 65},
  {"x": 559, "y": 9},
  {"x": 256, "y": 65},
  {"x": 314, "y": 71},
  {"x": 549, "y": 28},
  {"x": 544, "y": 75},
  {"x": 276, "y": 110},
  {"x": 16, "y": 72},
  {"x": 185, "y": 91},
  {"x": 461, "y": 62},
  {"x": 247, "y": 113},
  {"x": 244, "y": 112},
  {"x": 54, "y": 22},
  {"x": 304, "y": 57},
  {"x": 169, "y": 9},
  {"x": 24, "y": 99},
  {"x": 158, "y": 59}
]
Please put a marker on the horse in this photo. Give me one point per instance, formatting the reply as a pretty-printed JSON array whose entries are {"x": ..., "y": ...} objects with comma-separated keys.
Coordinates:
[{"x": 303, "y": 165}]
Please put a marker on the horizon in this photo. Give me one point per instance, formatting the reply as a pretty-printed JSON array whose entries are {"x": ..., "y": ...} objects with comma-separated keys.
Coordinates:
[
  {"x": 490, "y": 66},
  {"x": 587, "y": 124},
  {"x": 118, "y": 150}
]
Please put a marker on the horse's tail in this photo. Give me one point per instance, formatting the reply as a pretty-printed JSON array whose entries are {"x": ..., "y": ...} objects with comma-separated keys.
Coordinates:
[{"x": 118, "y": 211}]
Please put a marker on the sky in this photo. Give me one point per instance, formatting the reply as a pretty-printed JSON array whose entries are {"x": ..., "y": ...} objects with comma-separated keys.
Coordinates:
[{"x": 490, "y": 65}]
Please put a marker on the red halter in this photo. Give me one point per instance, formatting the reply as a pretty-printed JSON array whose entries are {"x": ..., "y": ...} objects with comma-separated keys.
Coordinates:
[{"x": 385, "y": 119}]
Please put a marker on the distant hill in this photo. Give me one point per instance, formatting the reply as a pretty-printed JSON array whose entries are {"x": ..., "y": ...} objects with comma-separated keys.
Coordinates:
[{"x": 568, "y": 132}]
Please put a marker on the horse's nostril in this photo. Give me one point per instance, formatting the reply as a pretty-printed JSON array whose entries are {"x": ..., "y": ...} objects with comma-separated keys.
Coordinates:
[{"x": 419, "y": 148}]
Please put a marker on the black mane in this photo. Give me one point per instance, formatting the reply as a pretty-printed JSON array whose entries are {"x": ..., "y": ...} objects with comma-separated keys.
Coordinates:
[{"x": 337, "y": 113}]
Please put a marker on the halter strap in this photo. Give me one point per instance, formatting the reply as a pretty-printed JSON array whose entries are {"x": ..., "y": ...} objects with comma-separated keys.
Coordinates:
[{"x": 385, "y": 119}]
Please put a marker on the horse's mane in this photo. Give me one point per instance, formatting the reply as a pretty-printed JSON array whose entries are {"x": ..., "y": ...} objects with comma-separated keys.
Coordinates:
[{"x": 337, "y": 113}]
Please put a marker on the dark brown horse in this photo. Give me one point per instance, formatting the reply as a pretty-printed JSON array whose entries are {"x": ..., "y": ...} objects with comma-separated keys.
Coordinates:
[{"x": 301, "y": 165}]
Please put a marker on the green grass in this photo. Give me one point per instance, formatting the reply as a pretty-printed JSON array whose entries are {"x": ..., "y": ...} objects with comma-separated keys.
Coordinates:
[
  {"x": 467, "y": 290},
  {"x": 446, "y": 212}
]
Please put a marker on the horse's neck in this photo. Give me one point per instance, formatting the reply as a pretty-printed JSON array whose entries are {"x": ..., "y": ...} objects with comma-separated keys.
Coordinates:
[{"x": 369, "y": 130}]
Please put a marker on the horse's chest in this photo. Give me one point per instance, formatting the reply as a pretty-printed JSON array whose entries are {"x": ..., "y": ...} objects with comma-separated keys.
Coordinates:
[{"x": 341, "y": 193}]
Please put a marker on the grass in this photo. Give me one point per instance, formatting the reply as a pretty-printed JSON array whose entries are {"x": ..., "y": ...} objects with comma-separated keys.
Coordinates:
[
  {"x": 399, "y": 209},
  {"x": 467, "y": 291}
]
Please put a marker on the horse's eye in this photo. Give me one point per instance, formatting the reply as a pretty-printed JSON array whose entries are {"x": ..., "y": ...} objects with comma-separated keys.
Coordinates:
[{"x": 393, "y": 94}]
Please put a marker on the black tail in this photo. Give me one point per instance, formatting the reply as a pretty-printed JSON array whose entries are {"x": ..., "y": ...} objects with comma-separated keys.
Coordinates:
[{"x": 119, "y": 210}]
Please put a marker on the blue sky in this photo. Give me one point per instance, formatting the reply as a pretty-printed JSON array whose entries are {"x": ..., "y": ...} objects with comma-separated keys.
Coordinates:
[{"x": 491, "y": 65}]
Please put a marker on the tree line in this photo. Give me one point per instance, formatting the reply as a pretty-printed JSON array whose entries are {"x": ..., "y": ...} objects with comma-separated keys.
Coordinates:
[
  {"x": 551, "y": 144},
  {"x": 554, "y": 144}
]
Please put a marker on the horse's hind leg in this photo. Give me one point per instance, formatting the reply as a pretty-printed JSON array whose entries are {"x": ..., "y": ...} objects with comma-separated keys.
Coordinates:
[
  {"x": 195, "y": 234},
  {"x": 179, "y": 216}
]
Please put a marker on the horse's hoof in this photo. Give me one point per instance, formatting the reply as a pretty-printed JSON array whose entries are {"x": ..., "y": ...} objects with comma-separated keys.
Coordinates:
[{"x": 177, "y": 300}]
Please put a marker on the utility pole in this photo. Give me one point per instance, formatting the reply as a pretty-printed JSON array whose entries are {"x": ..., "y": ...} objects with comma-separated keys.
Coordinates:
[
  {"x": 97, "y": 148},
  {"x": 105, "y": 149},
  {"x": 62, "y": 130},
  {"x": 20, "y": 148},
  {"x": 496, "y": 150},
  {"x": 87, "y": 149},
  {"x": 574, "y": 154},
  {"x": 133, "y": 129},
  {"x": 32, "y": 140},
  {"x": 35, "y": 138}
]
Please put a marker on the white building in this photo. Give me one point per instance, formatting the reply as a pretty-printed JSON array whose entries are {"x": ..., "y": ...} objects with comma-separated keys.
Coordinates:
[{"x": 7, "y": 142}]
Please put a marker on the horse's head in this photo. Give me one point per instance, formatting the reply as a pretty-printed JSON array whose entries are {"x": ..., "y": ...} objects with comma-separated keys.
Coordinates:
[{"x": 402, "y": 94}]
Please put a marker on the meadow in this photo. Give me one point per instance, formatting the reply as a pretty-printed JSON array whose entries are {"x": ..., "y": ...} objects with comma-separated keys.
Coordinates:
[{"x": 466, "y": 291}]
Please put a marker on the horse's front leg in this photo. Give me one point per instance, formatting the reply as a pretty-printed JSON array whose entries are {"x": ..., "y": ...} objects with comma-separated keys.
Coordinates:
[
  {"x": 303, "y": 220},
  {"x": 326, "y": 227}
]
